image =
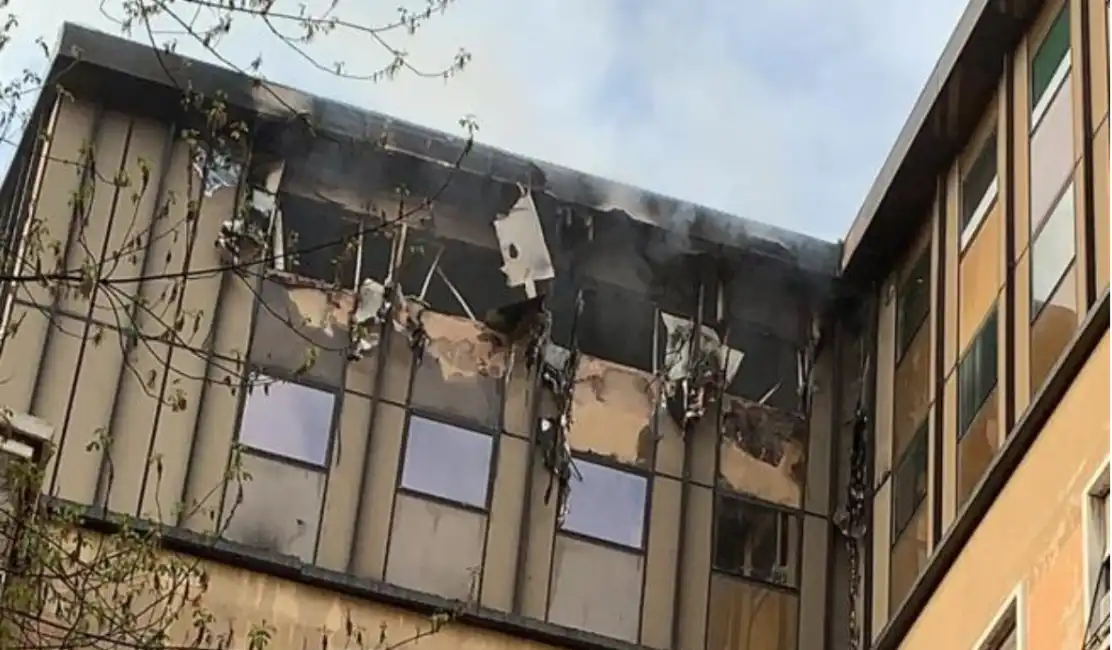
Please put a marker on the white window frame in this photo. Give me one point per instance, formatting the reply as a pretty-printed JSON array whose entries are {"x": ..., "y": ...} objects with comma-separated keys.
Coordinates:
[
  {"x": 1094, "y": 506},
  {"x": 1052, "y": 89},
  {"x": 1012, "y": 612}
]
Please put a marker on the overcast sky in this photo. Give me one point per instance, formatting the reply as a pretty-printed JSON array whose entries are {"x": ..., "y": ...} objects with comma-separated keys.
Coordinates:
[{"x": 780, "y": 111}]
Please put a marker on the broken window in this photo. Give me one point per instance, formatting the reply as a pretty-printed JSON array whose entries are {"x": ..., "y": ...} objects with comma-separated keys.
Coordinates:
[
  {"x": 769, "y": 370},
  {"x": 617, "y": 325},
  {"x": 747, "y": 616},
  {"x": 762, "y": 452},
  {"x": 318, "y": 242},
  {"x": 612, "y": 413},
  {"x": 301, "y": 330},
  {"x": 275, "y": 507},
  {"x": 454, "y": 277},
  {"x": 287, "y": 419},
  {"x": 756, "y": 541},
  {"x": 607, "y": 504},
  {"x": 448, "y": 462}
]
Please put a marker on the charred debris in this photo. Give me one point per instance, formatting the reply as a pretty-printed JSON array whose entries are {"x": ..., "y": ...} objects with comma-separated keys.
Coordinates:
[{"x": 548, "y": 227}]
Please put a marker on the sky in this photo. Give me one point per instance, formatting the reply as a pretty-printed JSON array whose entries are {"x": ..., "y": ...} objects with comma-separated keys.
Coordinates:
[{"x": 779, "y": 111}]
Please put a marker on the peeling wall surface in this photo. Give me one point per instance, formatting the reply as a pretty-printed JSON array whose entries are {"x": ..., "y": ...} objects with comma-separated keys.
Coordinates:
[{"x": 559, "y": 398}]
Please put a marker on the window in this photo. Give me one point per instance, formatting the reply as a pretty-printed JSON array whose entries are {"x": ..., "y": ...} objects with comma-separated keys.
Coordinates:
[
  {"x": 914, "y": 301},
  {"x": 1052, "y": 251},
  {"x": 977, "y": 373},
  {"x": 1050, "y": 64},
  {"x": 288, "y": 420},
  {"x": 285, "y": 434},
  {"x": 319, "y": 243},
  {"x": 608, "y": 504},
  {"x": 755, "y": 541},
  {"x": 597, "y": 587},
  {"x": 1096, "y": 561},
  {"x": 448, "y": 462},
  {"x": 978, "y": 189},
  {"x": 910, "y": 482}
]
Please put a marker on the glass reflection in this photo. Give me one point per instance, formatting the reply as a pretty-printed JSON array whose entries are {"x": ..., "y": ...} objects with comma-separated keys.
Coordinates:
[
  {"x": 446, "y": 461},
  {"x": 288, "y": 419},
  {"x": 608, "y": 504}
]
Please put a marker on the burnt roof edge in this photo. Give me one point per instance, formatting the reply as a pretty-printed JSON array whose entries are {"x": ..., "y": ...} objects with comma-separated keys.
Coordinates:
[{"x": 341, "y": 121}]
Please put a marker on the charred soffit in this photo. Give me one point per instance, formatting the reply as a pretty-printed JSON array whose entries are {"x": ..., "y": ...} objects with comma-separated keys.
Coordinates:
[{"x": 723, "y": 333}]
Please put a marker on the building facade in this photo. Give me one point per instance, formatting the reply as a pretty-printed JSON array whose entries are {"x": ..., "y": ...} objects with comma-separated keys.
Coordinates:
[
  {"x": 988, "y": 475},
  {"x": 576, "y": 413}
]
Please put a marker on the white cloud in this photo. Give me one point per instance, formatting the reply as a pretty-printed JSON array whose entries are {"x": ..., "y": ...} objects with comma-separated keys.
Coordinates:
[{"x": 781, "y": 112}]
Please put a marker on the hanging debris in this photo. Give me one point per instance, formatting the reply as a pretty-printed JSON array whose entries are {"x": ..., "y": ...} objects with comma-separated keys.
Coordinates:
[
  {"x": 806, "y": 366},
  {"x": 557, "y": 372},
  {"x": 697, "y": 369},
  {"x": 378, "y": 304},
  {"x": 245, "y": 235}
]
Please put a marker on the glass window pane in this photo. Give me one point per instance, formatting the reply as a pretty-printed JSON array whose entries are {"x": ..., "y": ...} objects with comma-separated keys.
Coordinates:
[
  {"x": 1052, "y": 251},
  {"x": 446, "y": 461},
  {"x": 747, "y": 616},
  {"x": 977, "y": 447},
  {"x": 909, "y": 556},
  {"x": 978, "y": 178},
  {"x": 1049, "y": 54},
  {"x": 912, "y": 398},
  {"x": 608, "y": 504},
  {"x": 1053, "y": 329},
  {"x": 977, "y": 373},
  {"x": 288, "y": 419},
  {"x": 755, "y": 541},
  {"x": 914, "y": 301},
  {"x": 910, "y": 484},
  {"x": 1052, "y": 157}
]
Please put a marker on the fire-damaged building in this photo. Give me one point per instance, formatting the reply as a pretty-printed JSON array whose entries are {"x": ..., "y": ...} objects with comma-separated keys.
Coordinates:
[
  {"x": 364, "y": 371},
  {"x": 583, "y": 409}
]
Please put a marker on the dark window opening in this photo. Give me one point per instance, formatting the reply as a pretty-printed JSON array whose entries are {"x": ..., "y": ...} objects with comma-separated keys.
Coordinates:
[
  {"x": 318, "y": 243},
  {"x": 755, "y": 541},
  {"x": 913, "y": 302},
  {"x": 1048, "y": 57}
]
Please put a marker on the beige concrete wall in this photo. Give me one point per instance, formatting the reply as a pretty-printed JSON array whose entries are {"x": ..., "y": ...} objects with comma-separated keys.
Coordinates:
[
  {"x": 1031, "y": 538},
  {"x": 142, "y": 381}
]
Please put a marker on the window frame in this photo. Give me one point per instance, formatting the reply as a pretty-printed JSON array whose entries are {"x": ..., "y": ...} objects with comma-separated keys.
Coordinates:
[
  {"x": 903, "y": 341},
  {"x": 1068, "y": 190},
  {"x": 920, "y": 437},
  {"x": 988, "y": 197},
  {"x": 280, "y": 375},
  {"x": 1010, "y": 617},
  {"x": 993, "y": 318},
  {"x": 493, "y": 437},
  {"x": 1038, "y": 107},
  {"x": 646, "y": 508},
  {"x": 1095, "y": 533},
  {"x": 783, "y": 514}
]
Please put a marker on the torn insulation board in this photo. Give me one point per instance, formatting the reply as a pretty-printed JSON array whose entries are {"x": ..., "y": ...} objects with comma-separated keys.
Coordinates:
[
  {"x": 696, "y": 369},
  {"x": 525, "y": 255}
]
